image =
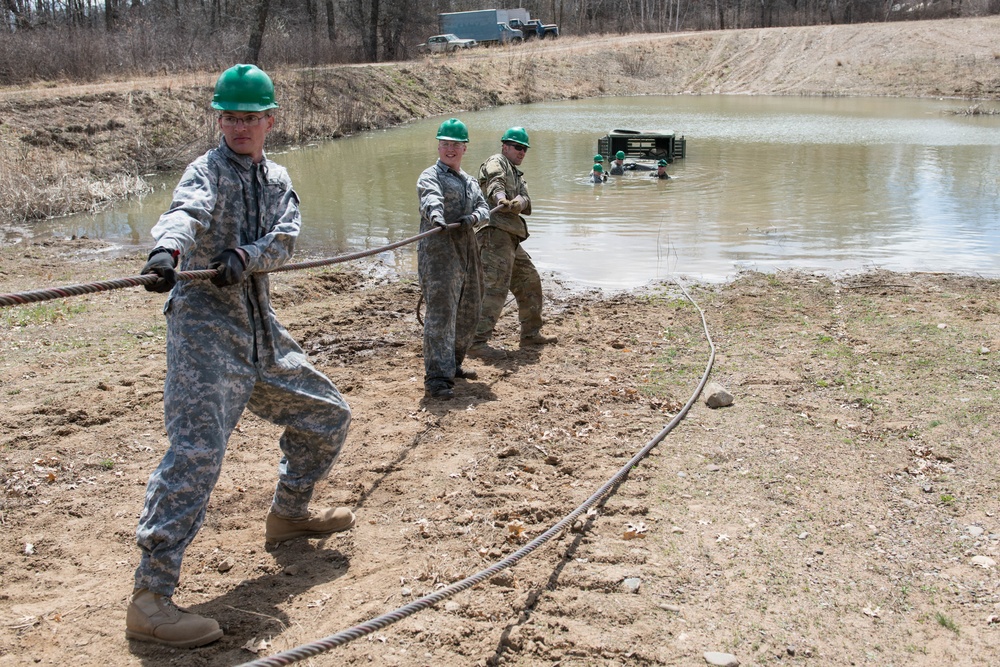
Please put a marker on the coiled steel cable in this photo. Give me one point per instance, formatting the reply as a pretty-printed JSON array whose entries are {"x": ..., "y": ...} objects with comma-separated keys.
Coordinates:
[
  {"x": 312, "y": 649},
  {"x": 22, "y": 298}
]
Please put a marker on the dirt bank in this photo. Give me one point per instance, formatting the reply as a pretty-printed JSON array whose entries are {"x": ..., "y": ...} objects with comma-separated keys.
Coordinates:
[
  {"x": 843, "y": 511},
  {"x": 67, "y": 148}
]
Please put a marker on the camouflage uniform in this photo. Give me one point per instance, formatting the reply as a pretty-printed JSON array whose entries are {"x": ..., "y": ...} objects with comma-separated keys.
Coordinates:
[
  {"x": 506, "y": 266},
  {"x": 451, "y": 276},
  {"x": 227, "y": 351},
  {"x": 617, "y": 169}
]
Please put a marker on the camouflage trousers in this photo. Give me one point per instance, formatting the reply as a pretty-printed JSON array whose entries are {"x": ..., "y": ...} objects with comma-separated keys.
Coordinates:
[
  {"x": 210, "y": 379},
  {"x": 451, "y": 279},
  {"x": 508, "y": 268}
]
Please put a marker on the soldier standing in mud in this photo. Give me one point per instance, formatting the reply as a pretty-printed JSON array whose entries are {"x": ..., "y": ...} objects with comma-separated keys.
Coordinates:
[
  {"x": 234, "y": 211},
  {"x": 506, "y": 266},
  {"x": 451, "y": 276}
]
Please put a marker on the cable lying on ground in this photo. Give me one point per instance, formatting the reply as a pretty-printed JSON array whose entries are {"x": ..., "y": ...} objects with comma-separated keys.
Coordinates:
[{"x": 315, "y": 648}]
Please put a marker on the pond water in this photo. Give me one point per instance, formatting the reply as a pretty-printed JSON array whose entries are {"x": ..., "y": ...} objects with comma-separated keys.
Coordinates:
[{"x": 824, "y": 185}]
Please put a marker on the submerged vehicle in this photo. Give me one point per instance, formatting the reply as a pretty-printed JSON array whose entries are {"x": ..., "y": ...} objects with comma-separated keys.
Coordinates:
[{"x": 639, "y": 145}]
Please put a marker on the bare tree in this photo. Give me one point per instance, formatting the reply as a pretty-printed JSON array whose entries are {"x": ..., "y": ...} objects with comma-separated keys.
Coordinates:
[{"x": 257, "y": 32}]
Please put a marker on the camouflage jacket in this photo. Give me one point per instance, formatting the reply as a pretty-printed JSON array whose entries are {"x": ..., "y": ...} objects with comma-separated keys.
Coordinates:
[
  {"x": 448, "y": 195},
  {"x": 224, "y": 201},
  {"x": 498, "y": 179}
]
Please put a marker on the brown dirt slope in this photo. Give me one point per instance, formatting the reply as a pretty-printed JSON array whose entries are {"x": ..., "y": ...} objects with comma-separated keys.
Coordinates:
[{"x": 71, "y": 147}]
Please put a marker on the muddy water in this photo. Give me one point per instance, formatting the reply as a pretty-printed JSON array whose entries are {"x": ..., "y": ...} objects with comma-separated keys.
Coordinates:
[{"x": 819, "y": 184}]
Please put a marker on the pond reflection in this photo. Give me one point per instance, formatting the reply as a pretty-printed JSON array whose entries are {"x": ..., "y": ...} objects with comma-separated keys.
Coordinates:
[{"x": 818, "y": 184}]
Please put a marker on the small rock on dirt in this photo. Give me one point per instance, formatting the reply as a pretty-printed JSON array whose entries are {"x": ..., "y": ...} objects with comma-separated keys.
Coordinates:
[
  {"x": 721, "y": 659},
  {"x": 983, "y": 561},
  {"x": 716, "y": 396}
]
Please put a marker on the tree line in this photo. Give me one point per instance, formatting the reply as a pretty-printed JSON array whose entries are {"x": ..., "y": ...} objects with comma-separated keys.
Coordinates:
[{"x": 91, "y": 39}]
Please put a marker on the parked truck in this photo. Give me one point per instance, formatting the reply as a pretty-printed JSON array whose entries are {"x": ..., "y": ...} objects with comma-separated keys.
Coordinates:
[
  {"x": 486, "y": 26},
  {"x": 535, "y": 28}
]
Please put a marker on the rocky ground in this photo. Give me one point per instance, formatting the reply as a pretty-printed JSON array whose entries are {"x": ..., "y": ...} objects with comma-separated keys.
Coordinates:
[{"x": 843, "y": 511}]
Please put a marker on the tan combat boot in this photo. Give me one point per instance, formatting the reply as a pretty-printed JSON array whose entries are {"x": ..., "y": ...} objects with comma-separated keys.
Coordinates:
[
  {"x": 536, "y": 339},
  {"x": 484, "y": 351},
  {"x": 155, "y": 618},
  {"x": 319, "y": 522}
]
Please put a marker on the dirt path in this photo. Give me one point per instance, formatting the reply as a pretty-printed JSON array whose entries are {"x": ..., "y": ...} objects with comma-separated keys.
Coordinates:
[{"x": 843, "y": 511}]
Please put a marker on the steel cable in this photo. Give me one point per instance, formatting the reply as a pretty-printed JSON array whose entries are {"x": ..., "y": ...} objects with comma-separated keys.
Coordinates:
[
  {"x": 312, "y": 649},
  {"x": 22, "y": 298}
]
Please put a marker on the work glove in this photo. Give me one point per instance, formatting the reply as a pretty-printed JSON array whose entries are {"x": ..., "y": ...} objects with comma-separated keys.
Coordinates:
[
  {"x": 470, "y": 219},
  {"x": 230, "y": 267},
  {"x": 521, "y": 203},
  {"x": 161, "y": 262},
  {"x": 439, "y": 221},
  {"x": 514, "y": 205}
]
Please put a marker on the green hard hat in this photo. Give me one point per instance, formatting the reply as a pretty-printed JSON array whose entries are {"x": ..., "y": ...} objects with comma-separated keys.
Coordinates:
[
  {"x": 244, "y": 88},
  {"x": 661, "y": 163},
  {"x": 516, "y": 135},
  {"x": 598, "y": 158},
  {"x": 453, "y": 130},
  {"x": 620, "y": 155},
  {"x": 598, "y": 167}
]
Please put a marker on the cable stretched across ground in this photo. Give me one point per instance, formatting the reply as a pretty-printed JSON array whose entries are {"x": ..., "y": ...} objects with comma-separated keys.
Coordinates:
[{"x": 33, "y": 296}]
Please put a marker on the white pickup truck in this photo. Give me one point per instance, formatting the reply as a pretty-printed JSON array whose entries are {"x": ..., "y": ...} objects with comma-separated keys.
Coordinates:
[{"x": 446, "y": 44}]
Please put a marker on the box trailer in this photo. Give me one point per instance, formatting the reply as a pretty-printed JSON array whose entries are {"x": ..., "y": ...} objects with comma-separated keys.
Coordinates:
[{"x": 486, "y": 26}]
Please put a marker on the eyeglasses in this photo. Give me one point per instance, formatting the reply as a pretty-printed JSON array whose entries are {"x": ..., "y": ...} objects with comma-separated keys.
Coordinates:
[
  {"x": 248, "y": 121},
  {"x": 450, "y": 145},
  {"x": 518, "y": 147}
]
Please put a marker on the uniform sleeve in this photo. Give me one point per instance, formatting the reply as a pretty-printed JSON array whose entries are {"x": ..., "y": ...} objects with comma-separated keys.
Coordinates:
[
  {"x": 482, "y": 209},
  {"x": 492, "y": 181},
  {"x": 431, "y": 196},
  {"x": 190, "y": 210},
  {"x": 522, "y": 191},
  {"x": 275, "y": 248}
]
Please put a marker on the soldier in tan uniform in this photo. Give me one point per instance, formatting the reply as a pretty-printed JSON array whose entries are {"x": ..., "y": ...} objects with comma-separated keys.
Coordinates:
[{"x": 506, "y": 266}]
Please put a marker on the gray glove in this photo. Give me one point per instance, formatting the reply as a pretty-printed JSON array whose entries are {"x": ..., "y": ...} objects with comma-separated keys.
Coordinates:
[{"x": 470, "y": 219}]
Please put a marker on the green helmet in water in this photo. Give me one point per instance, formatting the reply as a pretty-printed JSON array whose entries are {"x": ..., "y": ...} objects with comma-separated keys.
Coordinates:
[
  {"x": 620, "y": 155},
  {"x": 244, "y": 88},
  {"x": 453, "y": 130},
  {"x": 598, "y": 168},
  {"x": 516, "y": 135},
  {"x": 598, "y": 158}
]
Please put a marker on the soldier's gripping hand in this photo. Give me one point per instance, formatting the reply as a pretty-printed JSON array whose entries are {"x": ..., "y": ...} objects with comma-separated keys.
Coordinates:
[
  {"x": 510, "y": 205},
  {"x": 229, "y": 265},
  {"x": 161, "y": 262}
]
